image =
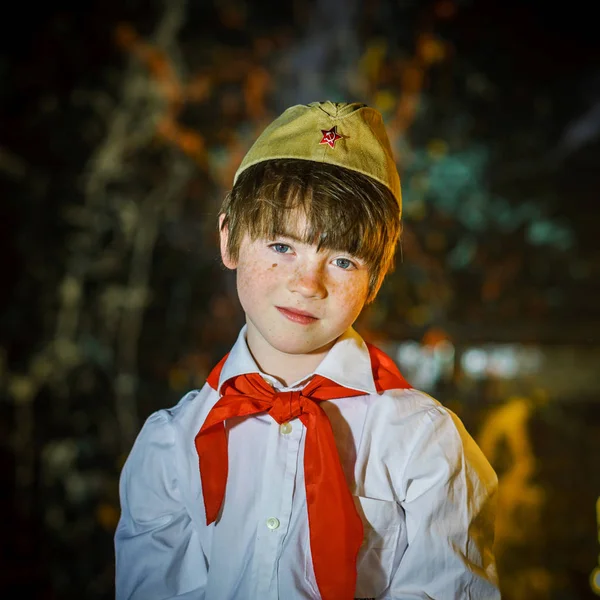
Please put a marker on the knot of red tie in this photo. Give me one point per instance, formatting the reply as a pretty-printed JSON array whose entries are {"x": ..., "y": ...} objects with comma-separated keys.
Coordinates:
[{"x": 287, "y": 406}]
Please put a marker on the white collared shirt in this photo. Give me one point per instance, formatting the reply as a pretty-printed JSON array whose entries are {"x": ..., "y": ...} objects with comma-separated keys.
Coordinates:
[{"x": 423, "y": 488}]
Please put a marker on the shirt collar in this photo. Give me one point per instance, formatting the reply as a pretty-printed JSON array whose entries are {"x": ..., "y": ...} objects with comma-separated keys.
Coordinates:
[{"x": 347, "y": 363}]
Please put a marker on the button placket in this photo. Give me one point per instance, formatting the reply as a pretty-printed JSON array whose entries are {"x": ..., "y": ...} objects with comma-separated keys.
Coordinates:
[{"x": 276, "y": 499}]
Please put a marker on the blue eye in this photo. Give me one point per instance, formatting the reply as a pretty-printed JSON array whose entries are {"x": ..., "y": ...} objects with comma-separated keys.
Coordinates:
[
  {"x": 343, "y": 263},
  {"x": 280, "y": 248}
]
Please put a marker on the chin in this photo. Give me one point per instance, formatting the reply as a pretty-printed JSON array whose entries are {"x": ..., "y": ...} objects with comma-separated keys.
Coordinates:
[{"x": 301, "y": 346}]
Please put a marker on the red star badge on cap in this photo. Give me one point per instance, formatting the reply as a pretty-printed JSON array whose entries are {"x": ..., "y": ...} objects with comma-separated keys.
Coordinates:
[{"x": 330, "y": 136}]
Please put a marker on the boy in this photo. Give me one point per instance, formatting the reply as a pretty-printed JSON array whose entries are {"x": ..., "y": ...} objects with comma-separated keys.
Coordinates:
[{"x": 306, "y": 467}]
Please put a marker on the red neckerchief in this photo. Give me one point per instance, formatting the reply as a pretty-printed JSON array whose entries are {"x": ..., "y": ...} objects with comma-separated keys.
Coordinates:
[{"x": 336, "y": 530}]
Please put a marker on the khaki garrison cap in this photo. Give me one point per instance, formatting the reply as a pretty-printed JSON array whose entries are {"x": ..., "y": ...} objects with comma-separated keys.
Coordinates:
[{"x": 347, "y": 135}]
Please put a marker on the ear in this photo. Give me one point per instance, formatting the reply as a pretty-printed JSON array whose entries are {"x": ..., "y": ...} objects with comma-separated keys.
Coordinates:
[{"x": 224, "y": 235}]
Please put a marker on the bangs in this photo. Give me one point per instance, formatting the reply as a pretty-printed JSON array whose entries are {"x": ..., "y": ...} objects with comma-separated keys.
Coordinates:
[{"x": 332, "y": 213}]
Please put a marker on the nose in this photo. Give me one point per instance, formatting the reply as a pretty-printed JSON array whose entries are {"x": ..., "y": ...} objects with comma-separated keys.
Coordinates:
[{"x": 309, "y": 281}]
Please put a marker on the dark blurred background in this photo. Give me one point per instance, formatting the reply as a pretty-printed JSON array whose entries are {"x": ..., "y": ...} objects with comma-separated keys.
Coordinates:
[{"x": 121, "y": 125}]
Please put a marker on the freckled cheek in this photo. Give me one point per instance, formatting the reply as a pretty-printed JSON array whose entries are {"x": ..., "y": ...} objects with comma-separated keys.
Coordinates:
[
  {"x": 254, "y": 282},
  {"x": 352, "y": 296}
]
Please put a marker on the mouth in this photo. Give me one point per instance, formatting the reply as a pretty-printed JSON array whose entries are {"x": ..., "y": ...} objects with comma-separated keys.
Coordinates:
[{"x": 297, "y": 316}]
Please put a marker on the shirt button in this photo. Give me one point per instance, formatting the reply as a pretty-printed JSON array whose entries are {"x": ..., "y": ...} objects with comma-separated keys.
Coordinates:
[
  {"x": 285, "y": 428},
  {"x": 272, "y": 523}
]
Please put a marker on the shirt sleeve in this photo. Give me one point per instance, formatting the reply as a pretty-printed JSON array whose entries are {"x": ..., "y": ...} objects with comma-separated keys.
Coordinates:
[
  {"x": 449, "y": 497},
  {"x": 157, "y": 549}
]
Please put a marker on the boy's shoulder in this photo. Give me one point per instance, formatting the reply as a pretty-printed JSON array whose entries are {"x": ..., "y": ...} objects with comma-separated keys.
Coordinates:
[
  {"x": 404, "y": 404},
  {"x": 185, "y": 417},
  {"x": 409, "y": 427},
  {"x": 411, "y": 414}
]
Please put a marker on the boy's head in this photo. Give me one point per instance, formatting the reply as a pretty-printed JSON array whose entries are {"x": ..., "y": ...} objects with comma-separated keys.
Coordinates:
[{"x": 331, "y": 167}]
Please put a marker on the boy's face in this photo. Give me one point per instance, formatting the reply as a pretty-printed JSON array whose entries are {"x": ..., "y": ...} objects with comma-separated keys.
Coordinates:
[{"x": 297, "y": 300}]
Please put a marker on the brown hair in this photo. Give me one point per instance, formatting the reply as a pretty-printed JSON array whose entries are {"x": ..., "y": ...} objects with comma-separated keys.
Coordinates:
[{"x": 344, "y": 210}]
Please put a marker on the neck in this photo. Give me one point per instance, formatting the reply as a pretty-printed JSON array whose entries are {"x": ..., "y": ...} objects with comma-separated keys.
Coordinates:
[{"x": 286, "y": 368}]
